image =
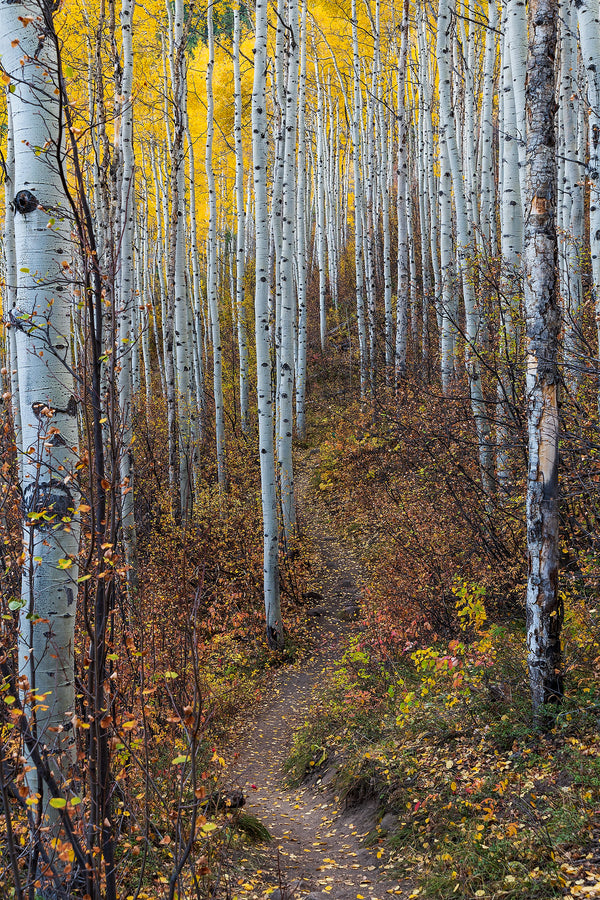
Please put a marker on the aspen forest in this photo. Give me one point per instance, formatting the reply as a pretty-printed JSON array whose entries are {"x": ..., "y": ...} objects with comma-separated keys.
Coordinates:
[{"x": 300, "y": 449}]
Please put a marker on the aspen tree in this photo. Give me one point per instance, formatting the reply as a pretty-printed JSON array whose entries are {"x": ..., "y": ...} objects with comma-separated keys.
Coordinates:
[
  {"x": 384, "y": 190},
  {"x": 588, "y": 15},
  {"x": 543, "y": 605},
  {"x": 487, "y": 214},
  {"x": 571, "y": 207},
  {"x": 261, "y": 312},
  {"x": 332, "y": 197},
  {"x": 449, "y": 305},
  {"x": 145, "y": 310},
  {"x": 464, "y": 236},
  {"x": 516, "y": 46},
  {"x": 10, "y": 281},
  {"x": 241, "y": 226},
  {"x": 276, "y": 234},
  {"x": 196, "y": 305},
  {"x": 40, "y": 319},
  {"x": 212, "y": 274},
  {"x": 402, "y": 285},
  {"x": 286, "y": 277},
  {"x": 431, "y": 180},
  {"x": 511, "y": 247},
  {"x": 358, "y": 205},
  {"x": 320, "y": 198},
  {"x": 301, "y": 235},
  {"x": 125, "y": 293},
  {"x": 368, "y": 231},
  {"x": 419, "y": 203}
]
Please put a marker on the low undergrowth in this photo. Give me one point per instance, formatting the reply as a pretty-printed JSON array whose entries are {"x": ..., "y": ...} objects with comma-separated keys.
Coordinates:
[
  {"x": 483, "y": 805},
  {"x": 429, "y": 710}
]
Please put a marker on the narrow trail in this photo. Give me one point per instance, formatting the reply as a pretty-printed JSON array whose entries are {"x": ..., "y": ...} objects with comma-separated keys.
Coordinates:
[{"x": 317, "y": 849}]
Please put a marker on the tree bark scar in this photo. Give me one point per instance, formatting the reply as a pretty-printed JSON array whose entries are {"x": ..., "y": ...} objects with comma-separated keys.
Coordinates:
[
  {"x": 52, "y": 497},
  {"x": 25, "y": 202}
]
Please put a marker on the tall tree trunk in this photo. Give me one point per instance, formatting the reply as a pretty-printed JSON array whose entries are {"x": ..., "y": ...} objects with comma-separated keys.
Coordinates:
[
  {"x": 286, "y": 274},
  {"x": 301, "y": 237},
  {"x": 263, "y": 352},
  {"x": 589, "y": 36},
  {"x": 402, "y": 289},
  {"x": 42, "y": 325},
  {"x": 464, "y": 240},
  {"x": 212, "y": 275},
  {"x": 358, "y": 206},
  {"x": 242, "y": 330},
  {"x": 125, "y": 296},
  {"x": 544, "y": 609}
]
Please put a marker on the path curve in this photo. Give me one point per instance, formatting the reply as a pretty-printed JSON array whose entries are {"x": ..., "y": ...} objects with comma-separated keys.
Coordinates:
[{"x": 317, "y": 845}]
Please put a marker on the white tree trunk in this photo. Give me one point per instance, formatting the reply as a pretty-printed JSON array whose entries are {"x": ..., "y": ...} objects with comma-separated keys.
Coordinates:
[
  {"x": 10, "y": 290},
  {"x": 41, "y": 320},
  {"x": 320, "y": 197},
  {"x": 464, "y": 237},
  {"x": 402, "y": 289},
  {"x": 358, "y": 206},
  {"x": 301, "y": 237},
  {"x": 589, "y": 38},
  {"x": 242, "y": 335},
  {"x": 544, "y": 607},
  {"x": 125, "y": 296},
  {"x": 263, "y": 355},
  {"x": 286, "y": 274},
  {"x": 212, "y": 281}
]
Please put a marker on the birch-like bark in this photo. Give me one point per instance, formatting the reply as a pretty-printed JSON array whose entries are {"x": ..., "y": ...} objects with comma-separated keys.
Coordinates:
[
  {"x": 488, "y": 182},
  {"x": 212, "y": 282},
  {"x": 516, "y": 35},
  {"x": 511, "y": 247},
  {"x": 320, "y": 198},
  {"x": 570, "y": 215},
  {"x": 544, "y": 608},
  {"x": 589, "y": 38},
  {"x": 263, "y": 355},
  {"x": 384, "y": 191},
  {"x": 301, "y": 236},
  {"x": 10, "y": 282},
  {"x": 126, "y": 297},
  {"x": 464, "y": 236},
  {"x": 358, "y": 206},
  {"x": 402, "y": 289},
  {"x": 448, "y": 303},
  {"x": 242, "y": 330},
  {"x": 41, "y": 321},
  {"x": 196, "y": 293},
  {"x": 286, "y": 273},
  {"x": 425, "y": 79}
]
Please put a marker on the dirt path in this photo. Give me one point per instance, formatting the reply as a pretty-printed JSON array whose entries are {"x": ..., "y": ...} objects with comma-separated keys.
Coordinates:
[{"x": 316, "y": 844}]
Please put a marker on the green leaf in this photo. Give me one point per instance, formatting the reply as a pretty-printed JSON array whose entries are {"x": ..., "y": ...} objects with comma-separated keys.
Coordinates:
[
  {"x": 179, "y": 760},
  {"x": 58, "y": 802}
]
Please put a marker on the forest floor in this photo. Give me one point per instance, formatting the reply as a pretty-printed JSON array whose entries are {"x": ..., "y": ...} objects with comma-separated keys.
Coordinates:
[{"x": 317, "y": 848}]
